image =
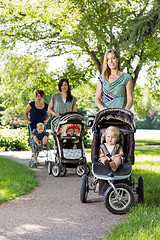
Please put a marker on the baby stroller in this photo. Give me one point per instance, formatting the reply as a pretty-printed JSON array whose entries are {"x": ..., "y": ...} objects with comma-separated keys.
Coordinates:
[
  {"x": 42, "y": 152},
  {"x": 117, "y": 187},
  {"x": 68, "y": 145}
]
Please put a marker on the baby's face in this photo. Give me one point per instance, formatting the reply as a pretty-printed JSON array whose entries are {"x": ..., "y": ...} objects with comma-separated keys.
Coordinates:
[
  {"x": 70, "y": 132},
  {"x": 111, "y": 138},
  {"x": 40, "y": 129},
  {"x": 75, "y": 132}
]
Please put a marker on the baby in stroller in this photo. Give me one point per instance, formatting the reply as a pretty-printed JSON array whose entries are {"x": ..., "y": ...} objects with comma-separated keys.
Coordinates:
[
  {"x": 115, "y": 181},
  {"x": 111, "y": 152},
  {"x": 40, "y": 136},
  {"x": 38, "y": 141}
]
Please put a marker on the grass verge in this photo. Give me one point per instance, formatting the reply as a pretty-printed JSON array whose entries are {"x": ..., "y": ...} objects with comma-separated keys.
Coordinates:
[
  {"x": 146, "y": 142},
  {"x": 15, "y": 179},
  {"x": 143, "y": 220}
]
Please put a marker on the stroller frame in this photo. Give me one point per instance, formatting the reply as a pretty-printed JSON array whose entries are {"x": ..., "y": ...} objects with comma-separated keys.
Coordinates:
[
  {"x": 119, "y": 187},
  {"x": 64, "y": 157},
  {"x": 35, "y": 149}
]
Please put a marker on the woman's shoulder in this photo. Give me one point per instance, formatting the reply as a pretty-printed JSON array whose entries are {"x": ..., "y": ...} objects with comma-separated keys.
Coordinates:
[
  {"x": 46, "y": 105},
  {"x": 32, "y": 103},
  {"x": 74, "y": 98},
  {"x": 55, "y": 95},
  {"x": 100, "y": 78},
  {"x": 126, "y": 75}
]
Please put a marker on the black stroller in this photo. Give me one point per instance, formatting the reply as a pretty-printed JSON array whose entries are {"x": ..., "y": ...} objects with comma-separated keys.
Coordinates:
[
  {"x": 117, "y": 187},
  {"x": 39, "y": 152},
  {"x": 68, "y": 145}
]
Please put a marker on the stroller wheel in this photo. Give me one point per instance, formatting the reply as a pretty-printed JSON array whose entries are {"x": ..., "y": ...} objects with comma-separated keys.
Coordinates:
[
  {"x": 32, "y": 164},
  {"x": 56, "y": 170},
  {"x": 63, "y": 170},
  {"x": 49, "y": 167},
  {"x": 81, "y": 170},
  {"x": 140, "y": 189},
  {"x": 84, "y": 189},
  {"x": 119, "y": 202},
  {"x": 88, "y": 170}
]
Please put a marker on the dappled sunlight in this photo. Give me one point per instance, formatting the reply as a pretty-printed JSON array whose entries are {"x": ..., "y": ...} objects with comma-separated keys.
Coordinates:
[
  {"x": 63, "y": 221},
  {"x": 28, "y": 228}
]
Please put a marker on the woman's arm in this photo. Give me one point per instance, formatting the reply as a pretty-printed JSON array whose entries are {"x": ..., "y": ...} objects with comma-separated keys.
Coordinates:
[
  {"x": 129, "y": 93},
  {"x": 99, "y": 96},
  {"x": 50, "y": 106},
  {"x": 47, "y": 118},
  {"x": 74, "y": 108},
  {"x": 28, "y": 109}
]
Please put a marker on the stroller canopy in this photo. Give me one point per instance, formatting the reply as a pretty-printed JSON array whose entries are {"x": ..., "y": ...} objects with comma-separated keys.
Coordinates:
[
  {"x": 121, "y": 118},
  {"x": 67, "y": 118}
]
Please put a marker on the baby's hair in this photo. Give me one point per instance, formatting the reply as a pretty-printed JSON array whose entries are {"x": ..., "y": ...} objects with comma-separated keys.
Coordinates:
[
  {"x": 115, "y": 130},
  {"x": 40, "y": 124}
]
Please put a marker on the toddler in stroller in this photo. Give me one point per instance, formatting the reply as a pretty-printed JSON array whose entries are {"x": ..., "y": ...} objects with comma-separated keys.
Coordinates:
[
  {"x": 117, "y": 186},
  {"x": 40, "y": 136},
  {"x": 111, "y": 152},
  {"x": 38, "y": 141},
  {"x": 69, "y": 149}
]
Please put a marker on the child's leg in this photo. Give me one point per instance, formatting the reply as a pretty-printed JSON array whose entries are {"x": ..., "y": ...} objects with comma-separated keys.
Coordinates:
[
  {"x": 105, "y": 161},
  {"x": 36, "y": 140},
  {"x": 44, "y": 140},
  {"x": 116, "y": 163}
]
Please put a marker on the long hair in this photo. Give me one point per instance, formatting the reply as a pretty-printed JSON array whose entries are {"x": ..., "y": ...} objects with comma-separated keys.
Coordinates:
[
  {"x": 106, "y": 71},
  {"x": 60, "y": 83}
]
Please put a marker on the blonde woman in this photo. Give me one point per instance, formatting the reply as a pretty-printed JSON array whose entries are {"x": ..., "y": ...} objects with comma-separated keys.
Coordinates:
[{"x": 114, "y": 87}]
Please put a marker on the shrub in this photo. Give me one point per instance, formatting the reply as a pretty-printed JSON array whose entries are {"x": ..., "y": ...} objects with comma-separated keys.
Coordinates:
[{"x": 13, "y": 140}]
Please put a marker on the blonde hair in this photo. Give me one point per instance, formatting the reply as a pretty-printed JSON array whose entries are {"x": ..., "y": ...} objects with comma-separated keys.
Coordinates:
[
  {"x": 40, "y": 124},
  {"x": 113, "y": 129},
  {"x": 106, "y": 72}
]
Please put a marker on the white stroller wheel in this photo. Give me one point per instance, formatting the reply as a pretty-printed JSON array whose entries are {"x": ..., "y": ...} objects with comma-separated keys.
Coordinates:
[
  {"x": 81, "y": 170},
  {"x": 56, "y": 170},
  {"x": 119, "y": 202}
]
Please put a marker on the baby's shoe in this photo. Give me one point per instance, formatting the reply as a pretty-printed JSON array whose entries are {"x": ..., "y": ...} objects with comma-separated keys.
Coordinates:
[
  {"x": 107, "y": 163},
  {"x": 113, "y": 166}
]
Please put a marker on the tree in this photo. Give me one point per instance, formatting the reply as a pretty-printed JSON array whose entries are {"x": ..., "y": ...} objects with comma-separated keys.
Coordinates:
[
  {"x": 86, "y": 27},
  {"x": 146, "y": 106},
  {"x": 20, "y": 78}
]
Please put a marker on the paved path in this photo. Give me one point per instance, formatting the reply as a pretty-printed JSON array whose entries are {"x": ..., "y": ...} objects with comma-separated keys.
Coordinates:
[{"x": 53, "y": 211}]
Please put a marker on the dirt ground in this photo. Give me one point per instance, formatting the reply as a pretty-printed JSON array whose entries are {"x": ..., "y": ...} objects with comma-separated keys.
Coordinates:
[{"x": 53, "y": 211}]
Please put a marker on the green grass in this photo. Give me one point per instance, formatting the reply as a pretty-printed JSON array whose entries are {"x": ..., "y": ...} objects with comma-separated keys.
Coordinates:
[
  {"x": 143, "y": 220},
  {"x": 15, "y": 179},
  {"x": 146, "y": 142}
]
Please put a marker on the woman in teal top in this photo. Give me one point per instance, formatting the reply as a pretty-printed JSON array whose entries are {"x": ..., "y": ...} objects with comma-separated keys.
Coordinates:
[{"x": 114, "y": 88}]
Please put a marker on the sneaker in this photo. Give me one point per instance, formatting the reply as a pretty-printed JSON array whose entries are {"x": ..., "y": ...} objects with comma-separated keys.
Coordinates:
[
  {"x": 113, "y": 166},
  {"x": 107, "y": 163}
]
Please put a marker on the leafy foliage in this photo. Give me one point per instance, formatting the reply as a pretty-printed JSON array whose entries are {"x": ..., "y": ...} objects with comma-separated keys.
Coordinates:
[
  {"x": 85, "y": 27},
  {"x": 13, "y": 140}
]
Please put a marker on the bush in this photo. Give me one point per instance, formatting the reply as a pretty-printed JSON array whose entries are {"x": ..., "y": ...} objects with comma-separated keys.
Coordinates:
[
  {"x": 14, "y": 140},
  {"x": 17, "y": 139}
]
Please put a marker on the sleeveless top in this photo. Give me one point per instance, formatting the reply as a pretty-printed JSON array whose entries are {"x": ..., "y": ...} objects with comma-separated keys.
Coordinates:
[
  {"x": 37, "y": 115},
  {"x": 61, "y": 107},
  {"x": 114, "y": 93}
]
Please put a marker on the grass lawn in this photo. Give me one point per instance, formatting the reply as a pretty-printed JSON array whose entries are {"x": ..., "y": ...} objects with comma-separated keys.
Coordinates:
[
  {"x": 15, "y": 179},
  {"x": 143, "y": 220}
]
